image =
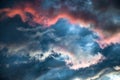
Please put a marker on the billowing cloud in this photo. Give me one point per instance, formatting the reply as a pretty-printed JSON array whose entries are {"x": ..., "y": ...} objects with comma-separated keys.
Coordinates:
[
  {"x": 85, "y": 13},
  {"x": 49, "y": 12},
  {"x": 77, "y": 39}
]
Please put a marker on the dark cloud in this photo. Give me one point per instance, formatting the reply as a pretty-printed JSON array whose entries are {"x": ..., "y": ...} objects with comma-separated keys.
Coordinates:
[
  {"x": 110, "y": 24},
  {"x": 24, "y": 59},
  {"x": 107, "y": 15},
  {"x": 102, "y": 15},
  {"x": 9, "y": 33},
  {"x": 12, "y": 3},
  {"x": 105, "y": 4},
  {"x": 97, "y": 12},
  {"x": 59, "y": 9},
  {"x": 102, "y": 4},
  {"x": 42, "y": 38},
  {"x": 21, "y": 67},
  {"x": 43, "y": 70},
  {"x": 116, "y": 3}
]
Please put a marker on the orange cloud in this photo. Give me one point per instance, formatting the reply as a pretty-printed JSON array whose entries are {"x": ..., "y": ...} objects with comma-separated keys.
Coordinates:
[
  {"x": 47, "y": 18},
  {"x": 107, "y": 38},
  {"x": 44, "y": 17}
]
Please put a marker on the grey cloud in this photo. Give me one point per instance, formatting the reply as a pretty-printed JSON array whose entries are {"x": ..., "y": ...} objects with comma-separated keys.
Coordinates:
[{"x": 42, "y": 40}]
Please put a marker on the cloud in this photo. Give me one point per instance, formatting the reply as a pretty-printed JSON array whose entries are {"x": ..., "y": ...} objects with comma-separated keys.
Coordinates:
[
  {"x": 47, "y": 13},
  {"x": 65, "y": 39},
  {"x": 54, "y": 47},
  {"x": 111, "y": 76},
  {"x": 40, "y": 12},
  {"x": 58, "y": 52}
]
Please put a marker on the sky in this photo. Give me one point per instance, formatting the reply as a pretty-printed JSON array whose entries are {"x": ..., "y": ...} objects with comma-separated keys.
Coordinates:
[{"x": 59, "y": 40}]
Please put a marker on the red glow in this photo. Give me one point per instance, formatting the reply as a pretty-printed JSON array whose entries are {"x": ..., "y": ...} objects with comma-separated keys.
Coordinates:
[
  {"x": 45, "y": 18},
  {"x": 40, "y": 16}
]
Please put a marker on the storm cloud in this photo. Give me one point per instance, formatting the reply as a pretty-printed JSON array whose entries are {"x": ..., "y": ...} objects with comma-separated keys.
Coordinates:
[{"x": 70, "y": 39}]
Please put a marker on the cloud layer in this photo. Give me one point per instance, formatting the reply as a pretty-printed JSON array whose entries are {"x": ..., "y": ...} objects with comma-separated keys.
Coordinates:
[{"x": 77, "y": 39}]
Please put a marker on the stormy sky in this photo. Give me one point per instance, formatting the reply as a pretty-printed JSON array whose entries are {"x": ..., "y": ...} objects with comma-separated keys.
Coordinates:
[{"x": 59, "y": 40}]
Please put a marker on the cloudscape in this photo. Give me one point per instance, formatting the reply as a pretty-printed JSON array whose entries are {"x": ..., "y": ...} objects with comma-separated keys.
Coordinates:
[{"x": 59, "y": 40}]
